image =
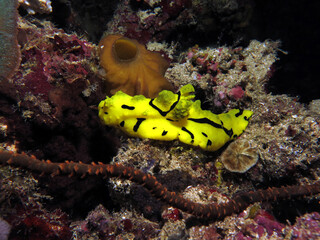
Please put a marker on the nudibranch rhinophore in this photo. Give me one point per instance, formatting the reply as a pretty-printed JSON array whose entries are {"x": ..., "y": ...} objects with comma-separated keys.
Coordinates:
[{"x": 173, "y": 116}]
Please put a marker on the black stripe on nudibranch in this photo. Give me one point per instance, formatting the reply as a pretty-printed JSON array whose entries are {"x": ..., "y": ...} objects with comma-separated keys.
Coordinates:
[
  {"x": 239, "y": 113},
  {"x": 138, "y": 123},
  {"x": 204, "y": 134},
  {"x": 213, "y": 124},
  {"x": 227, "y": 131},
  {"x": 209, "y": 143},
  {"x": 122, "y": 124},
  {"x": 127, "y": 107},
  {"x": 164, "y": 113},
  {"x": 190, "y": 133},
  {"x": 154, "y": 128},
  {"x": 164, "y": 133},
  {"x": 205, "y": 120}
]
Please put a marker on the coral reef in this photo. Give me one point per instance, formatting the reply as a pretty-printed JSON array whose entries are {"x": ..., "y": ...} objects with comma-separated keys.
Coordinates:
[
  {"x": 306, "y": 227},
  {"x": 185, "y": 21},
  {"x": 250, "y": 70},
  {"x": 48, "y": 108},
  {"x": 36, "y": 6},
  {"x": 195, "y": 21},
  {"x": 24, "y": 209},
  {"x": 54, "y": 86},
  {"x": 146, "y": 21},
  {"x": 45, "y": 108},
  {"x": 122, "y": 225},
  {"x": 220, "y": 70},
  {"x": 131, "y": 68}
]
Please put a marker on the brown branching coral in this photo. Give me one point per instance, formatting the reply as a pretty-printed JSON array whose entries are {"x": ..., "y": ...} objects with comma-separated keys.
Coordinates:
[{"x": 209, "y": 211}]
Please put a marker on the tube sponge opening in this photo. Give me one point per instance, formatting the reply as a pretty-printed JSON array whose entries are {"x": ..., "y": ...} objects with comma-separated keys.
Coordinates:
[
  {"x": 131, "y": 68},
  {"x": 124, "y": 49}
]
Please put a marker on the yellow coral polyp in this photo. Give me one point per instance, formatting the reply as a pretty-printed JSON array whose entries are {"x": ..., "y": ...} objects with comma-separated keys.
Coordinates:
[
  {"x": 131, "y": 68},
  {"x": 173, "y": 116}
]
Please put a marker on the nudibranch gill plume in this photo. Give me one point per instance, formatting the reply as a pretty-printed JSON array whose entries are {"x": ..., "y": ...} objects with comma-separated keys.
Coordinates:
[{"x": 173, "y": 116}]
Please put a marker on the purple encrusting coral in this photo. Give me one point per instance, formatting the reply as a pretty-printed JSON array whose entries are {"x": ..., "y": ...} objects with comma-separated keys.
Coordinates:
[
  {"x": 50, "y": 59},
  {"x": 154, "y": 21},
  {"x": 306, "y": 227},
  {"x": 24, "y": 210},
  {"x": 55, "y": 84},
  {"x": 48, "y": 109},
  {"x": 245, "y": 227},
  {"x": 121, "y": 225},
  {"x": 45, "y": 110},
  {"x": 162, "y": 19}
]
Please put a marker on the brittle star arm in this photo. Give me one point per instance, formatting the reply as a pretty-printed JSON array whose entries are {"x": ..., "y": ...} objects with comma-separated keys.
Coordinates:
[{"x": 208, "y": 211}]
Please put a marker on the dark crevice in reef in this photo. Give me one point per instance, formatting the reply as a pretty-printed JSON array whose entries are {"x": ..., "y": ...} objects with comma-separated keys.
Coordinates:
[{"x": 295, "y": 24}]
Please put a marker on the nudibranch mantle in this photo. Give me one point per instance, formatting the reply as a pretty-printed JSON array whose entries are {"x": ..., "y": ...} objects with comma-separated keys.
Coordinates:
[{"x": 173, "y": 116}]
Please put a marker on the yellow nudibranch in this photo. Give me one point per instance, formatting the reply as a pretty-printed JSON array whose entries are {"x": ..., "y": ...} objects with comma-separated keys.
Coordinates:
[{"x": 173, "y": 116}]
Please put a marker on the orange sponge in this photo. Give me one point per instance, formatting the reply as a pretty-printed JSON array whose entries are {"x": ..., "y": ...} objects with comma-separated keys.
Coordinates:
[{"x": 131, "y": 68}]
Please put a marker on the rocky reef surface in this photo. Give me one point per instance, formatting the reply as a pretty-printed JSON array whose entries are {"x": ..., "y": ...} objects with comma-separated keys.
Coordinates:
[{"x": 49, "y": 109}]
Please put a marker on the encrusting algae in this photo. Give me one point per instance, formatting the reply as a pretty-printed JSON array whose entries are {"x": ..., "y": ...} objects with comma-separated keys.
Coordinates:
[{"x": 131, "y": 68}]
